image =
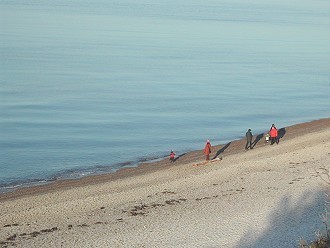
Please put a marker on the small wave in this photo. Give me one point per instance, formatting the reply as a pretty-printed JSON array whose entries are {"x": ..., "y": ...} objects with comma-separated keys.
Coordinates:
[
  {"x": 22, "y": 183},
  {"x": 75, "y": 173}
]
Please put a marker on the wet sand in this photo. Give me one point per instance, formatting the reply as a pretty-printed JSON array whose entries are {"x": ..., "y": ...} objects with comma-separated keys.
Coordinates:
[{"x": 266, "y": 197}]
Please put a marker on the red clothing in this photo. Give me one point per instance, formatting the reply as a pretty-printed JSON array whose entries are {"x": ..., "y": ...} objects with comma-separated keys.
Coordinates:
[
  {"x": 273, "y": 132},
  {"x": 207, "y": 149},
  {"x": 172, "y": 155}
]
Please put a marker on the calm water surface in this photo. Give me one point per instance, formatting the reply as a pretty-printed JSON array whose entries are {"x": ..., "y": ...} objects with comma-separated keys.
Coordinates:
[{"x": 92, "y": 86}]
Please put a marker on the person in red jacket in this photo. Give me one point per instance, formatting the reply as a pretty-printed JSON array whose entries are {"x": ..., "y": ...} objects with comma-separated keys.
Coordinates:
[
  {"x": 273, "y": 135},
  {"x": 172, "y": 156},
  {"x": 207, "y": 150}
]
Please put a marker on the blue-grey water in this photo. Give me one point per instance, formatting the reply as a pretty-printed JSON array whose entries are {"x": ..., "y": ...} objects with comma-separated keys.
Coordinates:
[{"x": 92, "y": 86}]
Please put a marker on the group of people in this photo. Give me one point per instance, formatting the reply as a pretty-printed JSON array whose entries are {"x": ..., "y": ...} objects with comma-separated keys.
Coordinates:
[{"x": 272, "y": 135}]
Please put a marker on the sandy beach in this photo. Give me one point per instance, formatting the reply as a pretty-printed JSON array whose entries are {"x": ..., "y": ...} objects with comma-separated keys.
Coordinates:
[{"x": 271, "y": 196}]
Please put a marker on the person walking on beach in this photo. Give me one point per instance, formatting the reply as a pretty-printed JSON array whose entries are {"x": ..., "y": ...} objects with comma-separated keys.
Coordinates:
[
  {"x": 207, "y": 150},
  {"x": 172, "y": 157},
  {"x": 273, "y": 135},
  {"x": 249, "y": 137}
]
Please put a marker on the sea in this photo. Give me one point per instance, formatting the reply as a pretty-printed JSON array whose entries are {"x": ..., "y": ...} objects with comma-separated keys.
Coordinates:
[{"x": 89, "y": 87}]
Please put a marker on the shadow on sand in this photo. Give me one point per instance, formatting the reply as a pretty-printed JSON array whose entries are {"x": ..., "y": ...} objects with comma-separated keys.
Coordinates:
[
  {"x": 281, "y": 133},
  {"x": 258, "y": 138},
  {"x": 221, "y": 150},
  {"x": 179, "y": 156},
  {"x": 290, "y": 221}
]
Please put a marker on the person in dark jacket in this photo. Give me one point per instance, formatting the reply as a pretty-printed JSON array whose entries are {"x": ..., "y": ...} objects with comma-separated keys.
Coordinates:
[{"x": 249, "y": 137}]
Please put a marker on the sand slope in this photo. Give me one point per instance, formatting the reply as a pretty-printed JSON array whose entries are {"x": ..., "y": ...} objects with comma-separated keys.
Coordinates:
[{"x": 270, "y": 196}]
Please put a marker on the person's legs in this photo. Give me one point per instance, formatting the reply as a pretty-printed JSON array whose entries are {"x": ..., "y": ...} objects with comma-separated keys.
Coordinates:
[
  {"x": 207, "y": 157},
  {"x": 248, "y": 145}
]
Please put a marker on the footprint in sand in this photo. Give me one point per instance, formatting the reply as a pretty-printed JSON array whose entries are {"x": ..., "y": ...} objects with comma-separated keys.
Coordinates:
[{"x": 10, "y": 225}]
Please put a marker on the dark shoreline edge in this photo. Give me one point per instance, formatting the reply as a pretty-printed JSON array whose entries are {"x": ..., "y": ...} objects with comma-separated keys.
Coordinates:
[
  {"x": 232, "y": 147},
  {"x": 72, "y": 174}
]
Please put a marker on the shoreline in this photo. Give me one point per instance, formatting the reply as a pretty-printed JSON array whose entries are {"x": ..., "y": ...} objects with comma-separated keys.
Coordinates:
[
  {"x": 197, "y": 156},
  {"x": 271, "y": 196}
]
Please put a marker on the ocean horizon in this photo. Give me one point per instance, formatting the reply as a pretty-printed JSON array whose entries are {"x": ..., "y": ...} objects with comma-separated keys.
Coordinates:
[{"x": 90, "y": 87}]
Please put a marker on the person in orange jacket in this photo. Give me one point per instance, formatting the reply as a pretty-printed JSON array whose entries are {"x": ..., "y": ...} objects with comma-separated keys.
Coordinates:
[
  {"x": 273, "y": 135},
  {"x": 207, "y": 150}
]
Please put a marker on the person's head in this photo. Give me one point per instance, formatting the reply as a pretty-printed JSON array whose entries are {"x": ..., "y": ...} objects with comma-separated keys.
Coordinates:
[
  {"x": 207, "y": 141},
  {"x": 249, "y": 130},
  {"x": 273, "y": 125}
]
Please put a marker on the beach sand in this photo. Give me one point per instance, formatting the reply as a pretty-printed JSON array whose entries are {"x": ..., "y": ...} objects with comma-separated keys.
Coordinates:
[{"x": 271, "y": 196}]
